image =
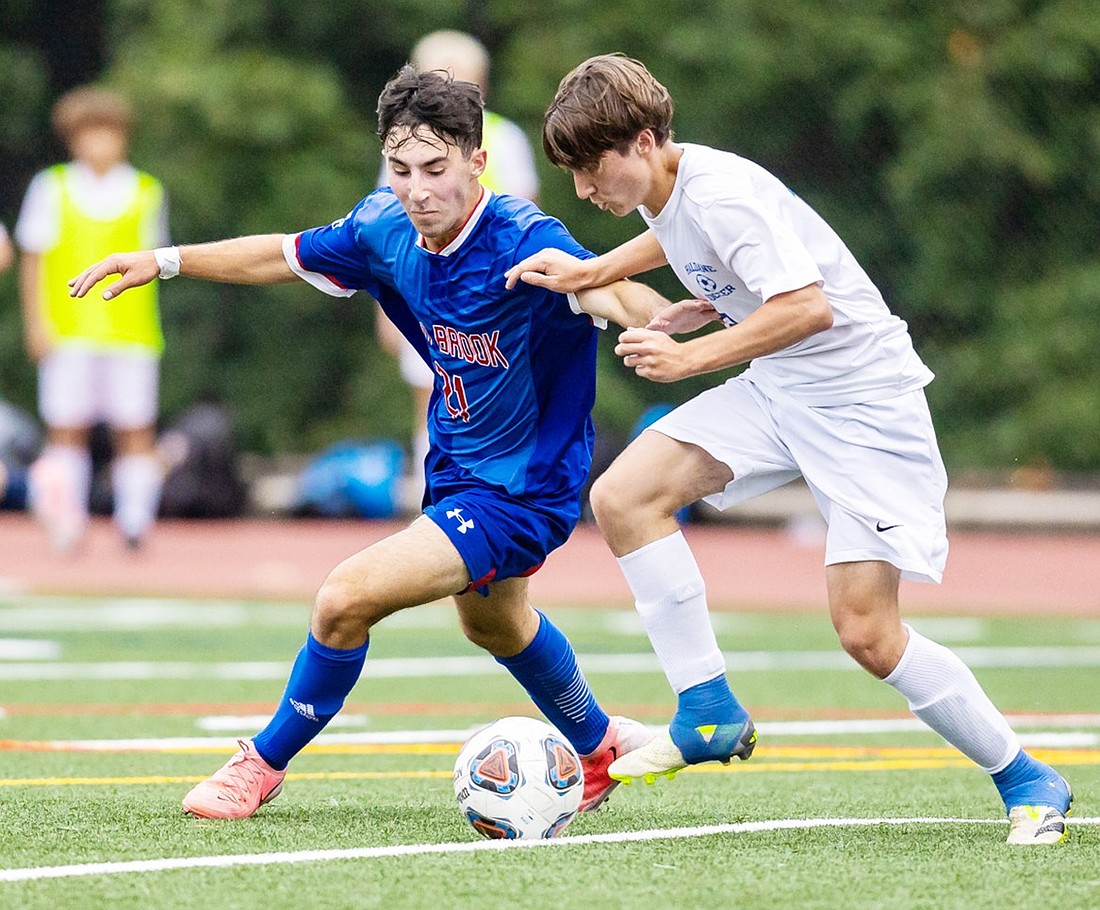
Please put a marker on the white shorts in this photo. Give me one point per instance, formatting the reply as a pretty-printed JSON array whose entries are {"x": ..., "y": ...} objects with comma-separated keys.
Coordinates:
[
  {"x": 79, "y": 387},
  {"x": 413, "y": 368},
  {"x": 874, "y": 469}
]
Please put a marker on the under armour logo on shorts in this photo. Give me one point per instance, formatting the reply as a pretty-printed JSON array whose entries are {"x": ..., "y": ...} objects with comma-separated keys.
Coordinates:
[{"x": 464, "y": 524}]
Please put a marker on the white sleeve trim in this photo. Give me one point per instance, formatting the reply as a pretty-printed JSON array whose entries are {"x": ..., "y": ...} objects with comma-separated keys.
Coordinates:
[
  {"x": 575, "y": 305},
  {"x": 319, "y": 281}
]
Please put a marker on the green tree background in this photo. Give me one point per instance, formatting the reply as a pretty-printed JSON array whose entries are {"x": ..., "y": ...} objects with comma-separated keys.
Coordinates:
[{"x": 955, "y": 146}]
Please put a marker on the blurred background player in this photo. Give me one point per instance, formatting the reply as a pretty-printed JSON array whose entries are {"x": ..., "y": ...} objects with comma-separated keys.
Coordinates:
[
  {"x": 509, "y": 169},
  {"x": 13, "y": 486},
  {"x": 7, "y": 254},
  {"x": 98, "y": 361}
]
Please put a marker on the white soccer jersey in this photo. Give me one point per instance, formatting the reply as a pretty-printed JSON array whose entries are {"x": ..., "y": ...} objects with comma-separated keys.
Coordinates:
[{"x": 736, "y": 236}]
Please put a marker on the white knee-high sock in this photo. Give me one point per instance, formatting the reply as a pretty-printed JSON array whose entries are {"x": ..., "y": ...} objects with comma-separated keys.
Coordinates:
[
  {"x": 60, "y": 484},
  {"x": 671, "y": 599},
  {"x": 943, "y": 693},
  {"x": 136, "y": 481}
]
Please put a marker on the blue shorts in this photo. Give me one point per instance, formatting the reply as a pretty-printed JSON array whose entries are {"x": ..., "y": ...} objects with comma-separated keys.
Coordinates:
[{"x": 496, "y": 535}]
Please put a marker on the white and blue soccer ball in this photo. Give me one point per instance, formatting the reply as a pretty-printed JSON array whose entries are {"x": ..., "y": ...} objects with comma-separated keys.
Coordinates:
[{"x": 518, "y": 778}]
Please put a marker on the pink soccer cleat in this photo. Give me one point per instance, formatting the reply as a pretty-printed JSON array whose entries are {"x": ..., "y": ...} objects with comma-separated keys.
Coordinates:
[
  {"x": 623, "y": 735},
  {"x": 237, "y": 789}
]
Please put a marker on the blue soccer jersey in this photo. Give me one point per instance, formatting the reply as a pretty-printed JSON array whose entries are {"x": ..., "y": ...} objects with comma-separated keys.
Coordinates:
[{"x": 515, "y": 369}]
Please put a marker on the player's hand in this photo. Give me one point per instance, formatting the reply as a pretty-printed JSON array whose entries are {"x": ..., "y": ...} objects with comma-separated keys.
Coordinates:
[
  {"x": 552, "y": 269},
  {"x": 136, "y": 269},
  {"x": 683, "y": 316},
  {"x": 652, "y": 355}
]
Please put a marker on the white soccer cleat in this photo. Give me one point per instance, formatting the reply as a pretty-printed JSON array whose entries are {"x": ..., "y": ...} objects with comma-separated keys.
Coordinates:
[
  {"x": 1036, "y": 825},
  {"x": 660, "y": 757}
]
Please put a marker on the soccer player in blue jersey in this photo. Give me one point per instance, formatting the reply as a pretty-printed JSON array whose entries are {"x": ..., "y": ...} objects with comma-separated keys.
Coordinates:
[{"x": 510, "y": 430}]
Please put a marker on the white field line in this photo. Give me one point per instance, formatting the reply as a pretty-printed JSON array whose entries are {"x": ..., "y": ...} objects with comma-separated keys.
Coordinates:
[
  {"x": 83, "y": 614},
  {"x": 431, "y": 667},
  {"x": 29, "y": 649},
  {"x": 778, "y": 728},
  {"x": 314, "y": 856}
]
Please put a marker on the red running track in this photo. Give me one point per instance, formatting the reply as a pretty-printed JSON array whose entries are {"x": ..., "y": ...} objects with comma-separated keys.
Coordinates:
[{"x": 745, "y": 568}]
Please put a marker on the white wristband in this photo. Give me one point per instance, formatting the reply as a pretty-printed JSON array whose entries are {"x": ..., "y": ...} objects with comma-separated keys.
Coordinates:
[{"x": 168, "y": 258}]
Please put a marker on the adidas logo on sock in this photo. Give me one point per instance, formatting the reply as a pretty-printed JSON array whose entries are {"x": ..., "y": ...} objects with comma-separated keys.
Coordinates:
[{"x": 305, "y": 710}]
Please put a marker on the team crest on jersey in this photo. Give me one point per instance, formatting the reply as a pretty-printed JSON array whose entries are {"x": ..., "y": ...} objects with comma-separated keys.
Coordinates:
[
  {"x": 706, "y": 283},
  {"x": 708, "y": 287}
]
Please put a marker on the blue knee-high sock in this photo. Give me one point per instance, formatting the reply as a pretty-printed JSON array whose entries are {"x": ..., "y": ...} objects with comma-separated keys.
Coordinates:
[
  {"x": 321, "y": 679},
  {"x": 547, "y": 669}
]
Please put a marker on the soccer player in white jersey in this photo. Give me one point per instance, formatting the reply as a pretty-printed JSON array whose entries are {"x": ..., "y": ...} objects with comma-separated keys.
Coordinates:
[{"x": 834, "y": 394}]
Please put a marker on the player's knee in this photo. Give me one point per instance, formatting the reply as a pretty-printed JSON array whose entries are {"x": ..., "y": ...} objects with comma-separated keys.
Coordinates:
[
  {"x": 502, "y": 634},
  {"x": 609, "y": 498},
  {"x": 868, "y": 645},
  {"x": 341, "y": 614},
  {"x": 477, "y": 631},
  {"x": 487, "y": 634}
]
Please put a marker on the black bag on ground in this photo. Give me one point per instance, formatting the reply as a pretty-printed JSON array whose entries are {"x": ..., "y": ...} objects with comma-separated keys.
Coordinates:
[{"x": 205, "y": 480}]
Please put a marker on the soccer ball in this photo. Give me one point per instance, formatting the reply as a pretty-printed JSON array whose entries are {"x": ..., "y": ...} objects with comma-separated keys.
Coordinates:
[{"x": 518, "y": 778}]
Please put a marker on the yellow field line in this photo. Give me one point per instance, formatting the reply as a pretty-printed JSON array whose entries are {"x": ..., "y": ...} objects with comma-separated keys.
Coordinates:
[
  {"x": 907, "y": 759},
  {"x": 796, "y": 752},
  {"x": 195, "y": 778},
  {"x": 9, "y": 745}
]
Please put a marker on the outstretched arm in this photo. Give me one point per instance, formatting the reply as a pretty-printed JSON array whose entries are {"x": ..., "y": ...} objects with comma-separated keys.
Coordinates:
[
  {"x": 558, "y": 271},
  {"x": 625, "y": 303},
  {"x": 243, "y": 260}
]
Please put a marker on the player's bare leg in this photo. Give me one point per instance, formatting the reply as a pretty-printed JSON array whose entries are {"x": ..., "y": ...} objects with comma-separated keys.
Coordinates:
[
  {"x": 415, "y": 566},
  {"x": 941, "y": 691}
]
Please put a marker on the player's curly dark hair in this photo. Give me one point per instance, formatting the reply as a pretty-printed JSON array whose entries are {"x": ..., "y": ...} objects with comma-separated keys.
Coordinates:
[
  {"x": 451, "y": 110},
  {"x": 601, "y": 106}
]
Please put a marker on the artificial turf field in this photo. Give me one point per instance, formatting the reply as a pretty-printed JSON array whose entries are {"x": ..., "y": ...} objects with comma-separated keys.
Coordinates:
[{"x": 110, "y": 709}]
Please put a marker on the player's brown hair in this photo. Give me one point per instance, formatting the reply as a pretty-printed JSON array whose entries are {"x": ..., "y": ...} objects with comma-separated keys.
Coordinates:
[
  {"x": 451, "y": 110},
  {"x": 90, "y": 105},
  {"x": 602, "y": 105}
]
